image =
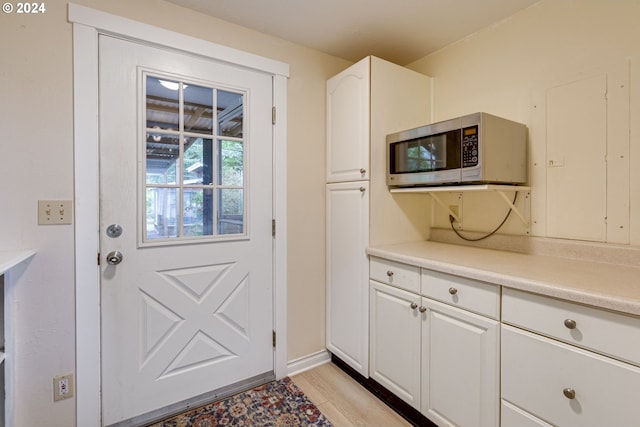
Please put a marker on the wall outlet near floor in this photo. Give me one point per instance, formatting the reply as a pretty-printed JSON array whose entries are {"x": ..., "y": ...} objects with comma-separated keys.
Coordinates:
[
  {"x": 52, "y": 212},
  {"x": 62, "y": 387}
]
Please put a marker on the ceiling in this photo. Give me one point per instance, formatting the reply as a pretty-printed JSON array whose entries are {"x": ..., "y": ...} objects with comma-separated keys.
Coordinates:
[{"x": 399, "y": 31}]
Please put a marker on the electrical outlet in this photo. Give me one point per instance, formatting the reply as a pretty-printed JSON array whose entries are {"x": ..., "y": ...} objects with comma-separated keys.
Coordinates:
[
  {"x": 62, "y": 387},
  {"x": 53, "y": 212}
]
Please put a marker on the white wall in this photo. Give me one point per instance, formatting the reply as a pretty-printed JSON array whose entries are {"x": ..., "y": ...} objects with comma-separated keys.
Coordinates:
[
  {"x": 513, "y": 68},
  {"x": 37, "y": 163}
]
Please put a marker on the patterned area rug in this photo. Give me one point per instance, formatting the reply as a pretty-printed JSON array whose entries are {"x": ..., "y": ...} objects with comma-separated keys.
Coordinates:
[{"x": 278, "y": 403}]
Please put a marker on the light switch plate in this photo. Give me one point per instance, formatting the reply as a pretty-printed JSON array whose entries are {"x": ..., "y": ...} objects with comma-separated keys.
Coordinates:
[{"x": 54, "y": 212}]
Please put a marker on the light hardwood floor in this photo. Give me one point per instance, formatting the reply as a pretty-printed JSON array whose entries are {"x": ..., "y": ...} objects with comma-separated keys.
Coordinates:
[{"x": 343, "y": 401}]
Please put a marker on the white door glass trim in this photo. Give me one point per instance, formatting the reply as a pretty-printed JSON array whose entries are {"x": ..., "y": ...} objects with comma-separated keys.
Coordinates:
[
  {"x": 173, "y": 210},
  {"x": 87, "y": 24}
]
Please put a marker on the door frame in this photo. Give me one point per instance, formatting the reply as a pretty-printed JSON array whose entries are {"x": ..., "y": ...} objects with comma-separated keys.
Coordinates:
[{"x": 88, "y": 24}]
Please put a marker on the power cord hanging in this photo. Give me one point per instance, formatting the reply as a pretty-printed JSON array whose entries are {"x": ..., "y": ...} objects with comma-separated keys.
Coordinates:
[{"x": 469, "y": 239}]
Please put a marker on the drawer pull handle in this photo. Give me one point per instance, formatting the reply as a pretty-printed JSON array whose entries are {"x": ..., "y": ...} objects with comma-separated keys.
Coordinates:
[
  {"x": 569, "y": 393},
  {"x": 390, "y": 273},
  {"x": 570, "y": 323},
  {"x": 363, "y": 171},
  {"x": 414, "y": 305},
  {"x": 422, "y": 309},
  {"x": 453, "y": 291}
]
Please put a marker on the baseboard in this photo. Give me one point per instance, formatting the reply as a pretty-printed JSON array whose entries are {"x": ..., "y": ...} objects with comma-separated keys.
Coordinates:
[{"x": 310, "y": 361}]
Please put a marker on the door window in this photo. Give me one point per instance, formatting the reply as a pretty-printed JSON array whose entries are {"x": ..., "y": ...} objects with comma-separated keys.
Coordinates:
[{"x": 194, "y": 160}]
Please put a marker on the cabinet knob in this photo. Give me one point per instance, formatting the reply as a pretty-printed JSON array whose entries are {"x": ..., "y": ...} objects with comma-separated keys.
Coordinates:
[
  {"x": 389, "y": 273},
  {"x": 363, "y": 171},
  {"x": 422, "y": 309},
  {"x": 414, "y": 306},
  {"x": 569, "y": 393},
  {"x": 362, "y": 189},
  {"x": 453, "y": 291},
  {"x": 570, "y": 323}
]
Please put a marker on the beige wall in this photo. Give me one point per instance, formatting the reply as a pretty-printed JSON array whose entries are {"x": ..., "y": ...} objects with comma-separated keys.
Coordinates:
[
  {"x": 512, "y": 68},
  {"x": 36, "y": 120}
]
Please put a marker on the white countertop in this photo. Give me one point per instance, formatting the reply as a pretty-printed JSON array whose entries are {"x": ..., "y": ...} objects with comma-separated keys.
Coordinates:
[
  {"x": 610, "y": 286},
  {"x": 9, "y": 259}
]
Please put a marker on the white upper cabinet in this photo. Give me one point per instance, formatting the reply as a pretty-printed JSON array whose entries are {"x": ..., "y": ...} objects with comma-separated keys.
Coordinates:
[{"x": 348, "y": 99}]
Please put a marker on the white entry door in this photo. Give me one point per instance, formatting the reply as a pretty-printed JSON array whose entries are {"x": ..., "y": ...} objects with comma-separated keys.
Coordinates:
[{"x": 185, "y": 227}]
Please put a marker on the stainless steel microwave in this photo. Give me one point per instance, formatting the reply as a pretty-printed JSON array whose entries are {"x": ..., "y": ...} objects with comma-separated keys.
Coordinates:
[{"x": 477, "y": 148}]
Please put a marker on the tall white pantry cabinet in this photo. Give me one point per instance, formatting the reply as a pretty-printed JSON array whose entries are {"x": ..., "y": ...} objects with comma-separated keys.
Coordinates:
[{"x": 365, "y": 102}]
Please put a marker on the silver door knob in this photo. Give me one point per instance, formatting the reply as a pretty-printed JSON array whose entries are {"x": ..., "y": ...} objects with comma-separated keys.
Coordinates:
[
  {"x": 569, "y": 393},
  {"x": 453, "y": 291},
  {"x": 362, "y": 189},
  {"x": 422, "y": 309},
  {"x": 389, "y": 273},
  {"x": 413, "y": 306},
  {"x": 570, "y": 323},
  {"x": 114, "y": 257},
  {"x": 363, "y": 171}
]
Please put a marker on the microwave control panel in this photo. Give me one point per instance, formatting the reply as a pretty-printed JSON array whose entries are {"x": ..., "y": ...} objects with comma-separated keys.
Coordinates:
[{"x": 470, "y": 147}]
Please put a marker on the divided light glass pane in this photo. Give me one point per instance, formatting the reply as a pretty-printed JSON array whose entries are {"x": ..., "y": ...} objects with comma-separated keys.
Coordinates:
[
  {"x": 162, "y": 214},
  {"x": 162, "y": 104},
  {"x": 230, "y": 211},
  {"x": 162, "y": 155},
  {"x": 198, "y": 212},
  {"x": 231, "y": 163},
  {"x": 198, "y": 109},
  {"x": 198, "y": 161},
  {"x": 230, "y": 114}
]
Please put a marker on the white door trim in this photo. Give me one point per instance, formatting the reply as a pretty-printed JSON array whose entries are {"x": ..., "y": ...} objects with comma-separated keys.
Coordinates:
[{"x": 87, "y": 25}]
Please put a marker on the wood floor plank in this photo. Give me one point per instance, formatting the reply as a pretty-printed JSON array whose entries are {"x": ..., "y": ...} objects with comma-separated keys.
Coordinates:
[
  {"x": 334, "y": 415},
  {"x": 349, "y": 402},
  {"x": 315, "y": 395}
]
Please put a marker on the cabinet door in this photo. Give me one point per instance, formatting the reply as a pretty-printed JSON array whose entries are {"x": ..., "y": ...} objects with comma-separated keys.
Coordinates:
[
  {"x": 395, "y": 341},
  {"x": 460, "y": 367},
  {"x": 348, "y": 273},
  {"x": 348, "y": 123}
]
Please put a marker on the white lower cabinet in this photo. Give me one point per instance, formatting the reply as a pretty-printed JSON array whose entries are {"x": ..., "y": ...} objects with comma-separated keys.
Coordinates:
[
  {"x": 440, "y": 359},
  {"x": 395, "y": 341},
  {"x": 347, "y": 273},
  {"x": 444, "y": 351},
  {"x": 460, "y": 367},
  {"x": 513, "y": 416},
  {"x": 584, "y": 381},
  {"x": 567, "y": 386}
]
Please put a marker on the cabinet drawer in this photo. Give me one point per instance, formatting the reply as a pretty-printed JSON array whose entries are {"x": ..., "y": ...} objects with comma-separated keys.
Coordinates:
[
  {"x": 401, "y": 275},
  {"x": 613, "y": 334},
  {"x": 512, "y": 416},
  {"x": 539, "y": 373},
  {"x": 473, "y": 295}
]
